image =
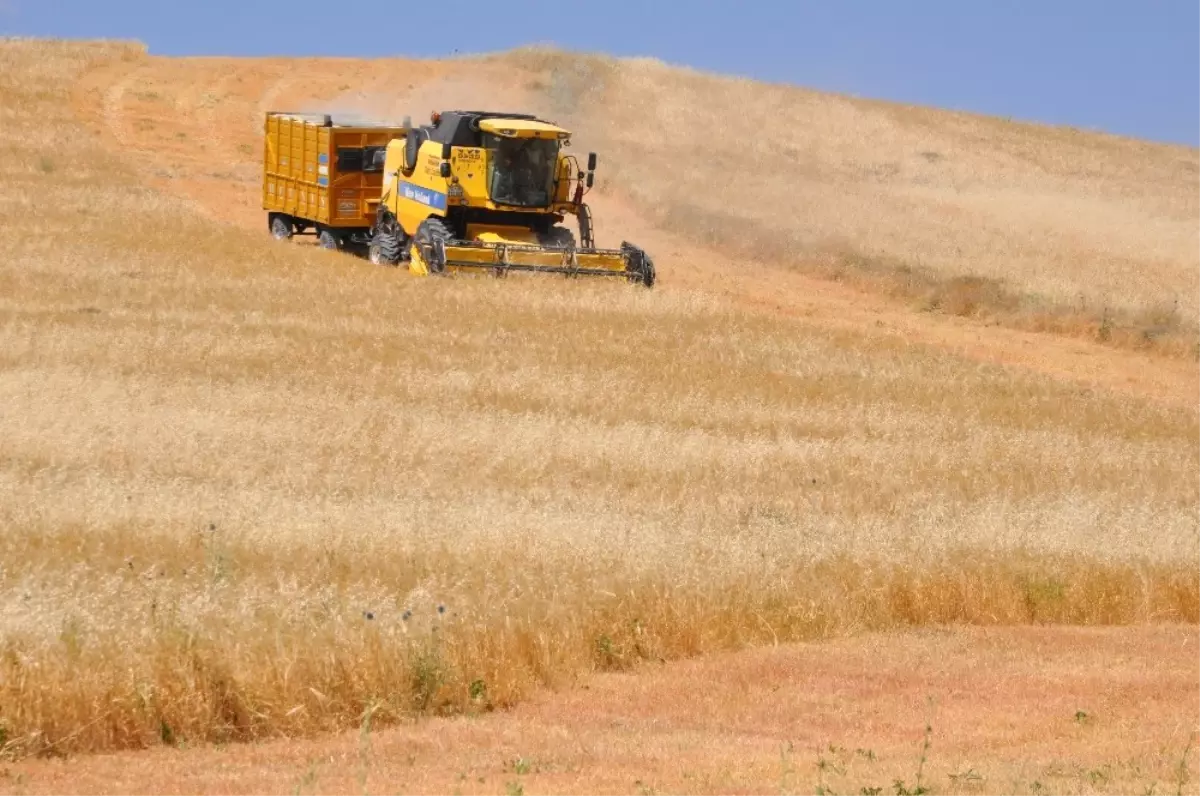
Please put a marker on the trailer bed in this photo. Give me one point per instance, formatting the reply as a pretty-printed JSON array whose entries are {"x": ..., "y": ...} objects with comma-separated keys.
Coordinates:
[{"x": 321, "y": 174}]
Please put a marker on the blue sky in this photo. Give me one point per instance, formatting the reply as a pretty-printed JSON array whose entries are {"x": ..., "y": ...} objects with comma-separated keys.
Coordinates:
[{"x": 1129, "y": 67}]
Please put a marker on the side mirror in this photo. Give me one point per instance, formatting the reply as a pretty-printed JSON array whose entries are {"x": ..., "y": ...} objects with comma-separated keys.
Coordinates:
[
  {"x": 591, "y": 161},
  {"x": 590, "y": 179},
  {"x": 446, "y": 149},
  {"x": 445, "y": 171}
]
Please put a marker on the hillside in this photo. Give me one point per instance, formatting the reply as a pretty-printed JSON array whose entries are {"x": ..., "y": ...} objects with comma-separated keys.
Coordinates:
[
  {"x": 952, "y": 214},
  {"x": 259, "y": 490},
  {"x": 1054, "y": 216}
]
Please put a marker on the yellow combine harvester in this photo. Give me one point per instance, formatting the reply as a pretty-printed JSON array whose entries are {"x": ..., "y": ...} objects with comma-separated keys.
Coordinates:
[{"x": 488, "y": 192}]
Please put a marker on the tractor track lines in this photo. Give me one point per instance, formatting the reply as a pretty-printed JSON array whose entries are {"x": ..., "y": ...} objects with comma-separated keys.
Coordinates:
[{"x": 112, "y": 102}]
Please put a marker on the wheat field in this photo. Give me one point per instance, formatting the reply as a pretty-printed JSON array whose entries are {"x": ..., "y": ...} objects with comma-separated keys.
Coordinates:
[
  {"x": 254, "y": 490},
  {"x": 1033, "y": 226}
]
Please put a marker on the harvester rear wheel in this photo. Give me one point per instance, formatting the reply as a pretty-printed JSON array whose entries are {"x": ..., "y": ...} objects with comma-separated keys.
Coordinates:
[
  {"x": 430, "y": 229},
  {"x": 384, "y": 249}
]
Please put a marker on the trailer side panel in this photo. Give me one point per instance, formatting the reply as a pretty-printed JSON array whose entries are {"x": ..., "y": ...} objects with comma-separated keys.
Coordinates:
[{"x": 323, "y": 173}]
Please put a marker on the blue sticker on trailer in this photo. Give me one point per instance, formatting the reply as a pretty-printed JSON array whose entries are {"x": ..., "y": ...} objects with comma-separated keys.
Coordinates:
[
  {"x": 322, "y": 180},
  {"x": 425, "y": 196},
  {"x": 323, "y": 158}
]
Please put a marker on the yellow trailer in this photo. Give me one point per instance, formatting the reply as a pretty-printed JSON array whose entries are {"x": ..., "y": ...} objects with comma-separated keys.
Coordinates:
[{"x": 323, "y": 177}]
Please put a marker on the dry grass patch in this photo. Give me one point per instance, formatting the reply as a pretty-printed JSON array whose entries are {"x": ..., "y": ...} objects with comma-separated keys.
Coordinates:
[
  {"x": 255, "y": 490},
  {"x": 1036, "y": 227},
  {"x": 1028, "y": 710}
]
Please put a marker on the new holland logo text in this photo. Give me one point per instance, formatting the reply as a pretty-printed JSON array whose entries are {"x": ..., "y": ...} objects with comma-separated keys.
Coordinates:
[{"x": 423, "y": 195}]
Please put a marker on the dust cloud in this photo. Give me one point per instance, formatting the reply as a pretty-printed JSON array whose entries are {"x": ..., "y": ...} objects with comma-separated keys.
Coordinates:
[{"x": 452, "y": 92}]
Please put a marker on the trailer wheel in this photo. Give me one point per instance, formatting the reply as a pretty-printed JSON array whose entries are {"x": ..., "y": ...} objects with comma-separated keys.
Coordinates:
[
  {"x": 280, "y": 226},
  {"x": 328, "y": 240}
]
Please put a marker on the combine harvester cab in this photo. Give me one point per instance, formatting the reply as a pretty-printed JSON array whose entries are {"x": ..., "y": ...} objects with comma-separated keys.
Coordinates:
[
  {"x": 322, "y": 177},
  {"x": 487, "y": 192}
]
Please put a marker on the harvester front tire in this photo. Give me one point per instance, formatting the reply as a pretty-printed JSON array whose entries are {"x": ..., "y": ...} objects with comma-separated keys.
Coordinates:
[{"x": 431, "y": 229}]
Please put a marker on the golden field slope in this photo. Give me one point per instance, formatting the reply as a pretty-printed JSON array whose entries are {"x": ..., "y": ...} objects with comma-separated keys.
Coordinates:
[
  {"x": 193, "y": 129},
  {"x": 1039, "y": 227},
  {"x": 256, "y": 490}
]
